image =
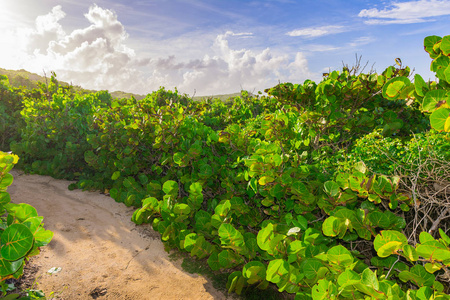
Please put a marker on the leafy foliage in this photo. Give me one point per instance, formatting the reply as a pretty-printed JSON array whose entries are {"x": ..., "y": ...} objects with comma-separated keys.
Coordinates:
[
  {"x": 297, "y": 190},
  {"x": 10, "y": 107},
  {"x": 21, "y": 229},
  {"x": 432, "y": 97},
  {"x": 58, "y": 121}
]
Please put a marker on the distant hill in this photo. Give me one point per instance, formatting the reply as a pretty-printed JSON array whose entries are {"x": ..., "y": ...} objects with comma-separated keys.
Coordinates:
[
  {"x": 18, "y": 78},
  {"x": 223, "y": 97}
]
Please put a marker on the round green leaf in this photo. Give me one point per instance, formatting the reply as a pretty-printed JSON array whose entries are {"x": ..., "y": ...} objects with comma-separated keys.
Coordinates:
[
  {"x": 369, "y": 278},
  {"x": 445, "y": 45},
  {"x": 5, "y": 198},
  {"x": 301, "y": 222},
  {"x": 189, "y": 241},
  {"x": 6, "y": 181},
  {"x": 433, "y": 250},
  {"x": 295, "y": 247},
  {"x": 114, "y": 193},
  {"x": 440, "y": 119},
  {"x": 42, "y": 237},
  {"x": 115, "y": 175},
  {"x": 331, "y": 188},
  {"x": 231, "y": 238},
  {"x": 340, "y": 255},
  {"x": 213, "y": 261},
  {"x": 205, "y": 171},
  {"x": 299, "y": 188},
  {"x": 265, "y": 180},
  {"x": 181, "y": 209},
  {"x": 311, "y": 268},
  {"x": 33, "y": 223},
  {"x": 447, "y": 74},
  {"x": 417, "y": 275},
  {"x": 389, "y": 242},
  {"x": 277, "y": 191},
  {"x": 361, "y": 166},
  {"x": 170, "y": 187},
  {"x": 432, "y": 99},
  {"x": 425, "y": 237},
  {"x": 16, "y": 241},
  {"x": 229, "y": 259},
  {"x": 389, "y": 248},
  {"x": 330, "y": 226},
  {"x": 393, "y": 88},
  {"x": 429, "y": 43},
  {"x": 348, "y": 277},
  {"x": 379, "y": 219},
  {"x": 420, "y": 85},
  {"x": 195, "y": 188},
  {"x": 276, "y": 270},
  {"x": 324, "y": 289},
  {"x": 178, "y": 157},
  {"x": 22, "y": 211},
  {"x": 253, "y": 184},
  {"x": 9, "y": 267},
  {"x": 432, "y": 267},
  {"x": 439, "y": 65},
  {"x": 264, "y": 237},
  {"x": 254, "y": 271}
]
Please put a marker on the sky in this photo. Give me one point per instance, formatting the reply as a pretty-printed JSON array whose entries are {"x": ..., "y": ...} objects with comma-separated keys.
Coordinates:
[{"x": 213, "y": 47}]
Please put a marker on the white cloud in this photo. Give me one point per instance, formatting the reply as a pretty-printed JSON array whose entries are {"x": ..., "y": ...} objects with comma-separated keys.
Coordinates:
[
  {"x": 47, "y": 29},
  {"x": 97, "y": 57},
  {"x": 240, "y": 34},
  {"x": 94, "y": 57},
  {"x": 319, "y": 48},
  {"x": 299, "y": 68},
  {"x": 364, "y": 40},
  {"x": 228, "y": 70},
  {"x": 407, "y": 12},
  {"x": 312, "y": 32}
]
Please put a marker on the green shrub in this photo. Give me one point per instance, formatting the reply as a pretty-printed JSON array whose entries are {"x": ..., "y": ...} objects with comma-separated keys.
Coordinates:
[
  {"x": 21, "y": 229},
  {"x": 10, "y": 107}
]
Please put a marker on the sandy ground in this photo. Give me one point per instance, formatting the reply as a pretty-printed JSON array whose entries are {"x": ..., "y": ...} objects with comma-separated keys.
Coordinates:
[{"x": 102, "y": 254}]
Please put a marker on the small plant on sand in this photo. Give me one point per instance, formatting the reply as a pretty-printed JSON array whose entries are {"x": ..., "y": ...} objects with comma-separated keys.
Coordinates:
[{"x": 21, "y": 229}]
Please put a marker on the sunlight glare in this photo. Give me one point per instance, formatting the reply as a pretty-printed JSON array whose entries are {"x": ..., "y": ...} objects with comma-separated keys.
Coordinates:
[{"x": 11, "y": 40}]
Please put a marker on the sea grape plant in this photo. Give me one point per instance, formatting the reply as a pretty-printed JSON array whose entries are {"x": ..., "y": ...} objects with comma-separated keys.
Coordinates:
[
  {"x": 256, "y": 185},
  {"x": 433, "y": 97},
  {"x": 10, "y": 106},
  {"x": 22, "y": 231},
  {"x": 59, "y": 122}
]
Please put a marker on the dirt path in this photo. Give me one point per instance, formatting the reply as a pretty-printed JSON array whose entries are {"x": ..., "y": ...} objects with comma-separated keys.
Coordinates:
[{"x": 103, "y": 255}]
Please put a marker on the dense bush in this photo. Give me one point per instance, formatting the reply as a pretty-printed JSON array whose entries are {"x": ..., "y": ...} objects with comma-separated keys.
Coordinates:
[
  {"x": 10, "y": 107},
  {"x": 319, "y": 189},
  {"x": 56, "y": 123},
  {"x": 386, "y": 155}
]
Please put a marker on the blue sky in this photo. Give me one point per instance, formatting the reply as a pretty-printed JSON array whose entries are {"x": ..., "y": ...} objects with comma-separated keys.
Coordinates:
[{"x": 213, "y": 47}]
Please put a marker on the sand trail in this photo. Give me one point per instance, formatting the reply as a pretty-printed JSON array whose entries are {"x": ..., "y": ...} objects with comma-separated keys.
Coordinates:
[{"x": 101, "y": 253}]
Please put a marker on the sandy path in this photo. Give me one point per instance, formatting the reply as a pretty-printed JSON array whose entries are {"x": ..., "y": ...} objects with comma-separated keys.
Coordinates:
[{"x": 103, "y": 255}]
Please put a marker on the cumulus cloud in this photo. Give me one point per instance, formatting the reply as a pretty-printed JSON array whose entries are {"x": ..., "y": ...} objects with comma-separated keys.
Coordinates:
[
  {"x": 47, "y": 29},
  {"x": 228, "y": 70},
  {"x": 407, "y": 12},
  {"x": 97, "y": 57},
  {"x": 313, "y": 32}
]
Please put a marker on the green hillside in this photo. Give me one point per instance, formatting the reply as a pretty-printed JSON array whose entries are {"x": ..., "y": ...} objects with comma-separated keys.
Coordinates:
[{"x": 23, "y": 78}]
